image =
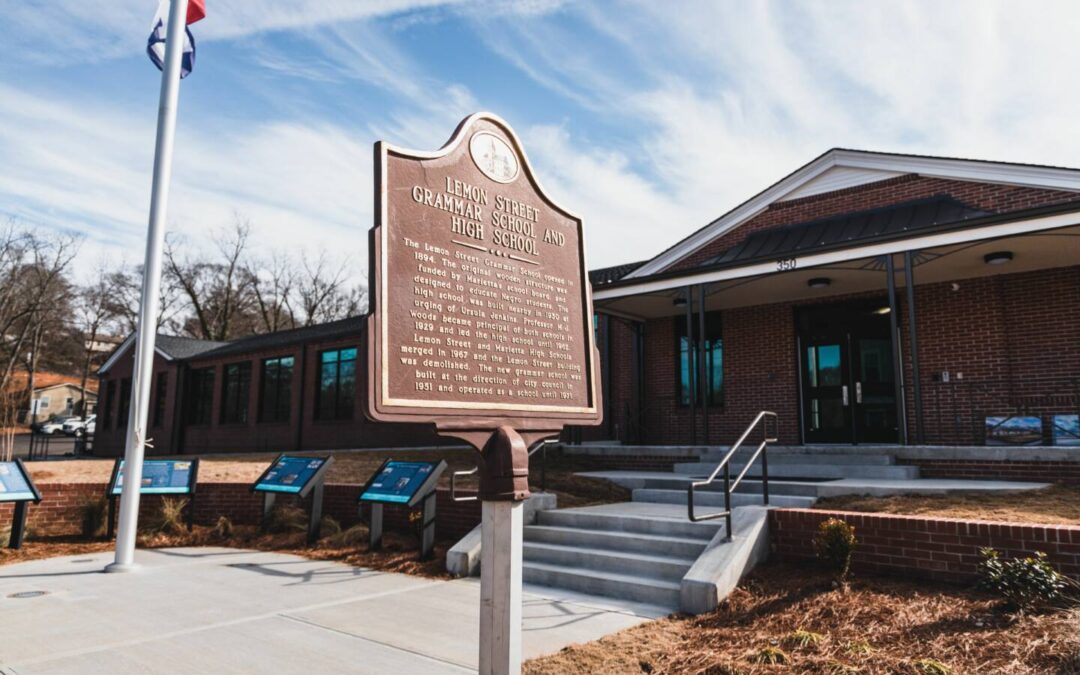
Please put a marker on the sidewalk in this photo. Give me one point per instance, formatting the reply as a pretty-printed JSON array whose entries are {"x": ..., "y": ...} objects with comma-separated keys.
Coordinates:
[{"x": 218, "y": 610}]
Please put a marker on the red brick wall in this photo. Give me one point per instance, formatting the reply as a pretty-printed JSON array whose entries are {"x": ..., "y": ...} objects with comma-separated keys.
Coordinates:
[
  {"x": 1035, "y": 470},
  {"x": 944, "y": 549},
  {"x": 60, "y": 513},
  {"x": 985, "y": 196}
]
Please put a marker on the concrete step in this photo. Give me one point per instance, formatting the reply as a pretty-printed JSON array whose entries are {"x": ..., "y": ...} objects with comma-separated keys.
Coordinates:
[
  {"x": 660, "y": 592},
  {"x": 627, "y": 523},
  {"x": 802, "y": 458},
  {"x": 807, "y": 470},
  {"x": 648, "y": 544},
  {"x": 747, "y": 487},
  {"x": 716, "y": 499},
  {"x": 606, "y": 560}
]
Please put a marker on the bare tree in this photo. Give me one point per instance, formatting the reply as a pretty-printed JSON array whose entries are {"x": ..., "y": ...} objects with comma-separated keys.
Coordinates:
[
  {"x": 94, "y": 312},
  {"x": 272, "y": 283},
  {"x": 321, "y": 291}
]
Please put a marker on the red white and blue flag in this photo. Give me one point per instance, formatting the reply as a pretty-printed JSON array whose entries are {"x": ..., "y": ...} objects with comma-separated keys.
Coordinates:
[{"x": 155, "y": 46}]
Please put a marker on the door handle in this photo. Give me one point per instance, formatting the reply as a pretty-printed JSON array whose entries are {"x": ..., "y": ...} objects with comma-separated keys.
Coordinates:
[
  {"x": 858, "y": 392},
  {"x": 843, "y": 393}
]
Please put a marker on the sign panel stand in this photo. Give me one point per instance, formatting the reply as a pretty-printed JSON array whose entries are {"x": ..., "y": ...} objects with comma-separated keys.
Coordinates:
[
  {"x": 406, "y": 484},
  {"x": 158, "y": 477},
  {"x": 299, "y": 476},
  {"x": 17, "y": 486}
]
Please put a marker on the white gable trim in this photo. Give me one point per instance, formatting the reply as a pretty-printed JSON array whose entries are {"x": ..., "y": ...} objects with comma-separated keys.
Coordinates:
[
  {"x": 872, "y": 164},
  {"x": 122, "y": 349}
]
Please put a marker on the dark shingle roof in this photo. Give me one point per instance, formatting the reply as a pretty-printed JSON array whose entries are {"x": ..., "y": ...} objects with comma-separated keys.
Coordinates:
[
  {"x": 605, "y": 275},
  {"x": 352, "y": 326},
  {"x": 184, "y": 348},
  {"x": 801, "y": 238}
]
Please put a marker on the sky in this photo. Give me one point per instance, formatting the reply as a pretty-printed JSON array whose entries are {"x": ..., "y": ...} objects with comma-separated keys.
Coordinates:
[{"x": 649, "y": 118}]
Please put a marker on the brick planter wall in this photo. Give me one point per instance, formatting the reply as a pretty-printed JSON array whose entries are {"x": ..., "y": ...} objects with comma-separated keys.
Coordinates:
[
  {"x": 943, "y": 549},
  {"x": 60, "y": 513},
  {"x": 985, "y": 469},
  {"x": 624, "y": 462}
]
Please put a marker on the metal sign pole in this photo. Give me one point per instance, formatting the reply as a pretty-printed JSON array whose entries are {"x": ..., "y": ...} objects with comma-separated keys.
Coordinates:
[
  {"x": 500, "y": 587},
  {"x": 148, "y": 304}
]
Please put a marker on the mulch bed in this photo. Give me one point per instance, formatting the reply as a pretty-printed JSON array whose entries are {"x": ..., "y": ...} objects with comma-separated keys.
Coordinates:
[
  {"x": 1055, "y": 505},
  {"x": 876, "y": 625}
]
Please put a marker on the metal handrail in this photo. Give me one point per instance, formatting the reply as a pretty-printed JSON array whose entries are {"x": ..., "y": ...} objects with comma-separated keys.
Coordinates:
[
  {"x": 725, "y": 466},
  {"x": 542, "y": 445}
]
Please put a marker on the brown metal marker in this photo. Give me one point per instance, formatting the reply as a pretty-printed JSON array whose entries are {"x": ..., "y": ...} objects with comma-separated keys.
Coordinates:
[{"x": 481, "y": 324}]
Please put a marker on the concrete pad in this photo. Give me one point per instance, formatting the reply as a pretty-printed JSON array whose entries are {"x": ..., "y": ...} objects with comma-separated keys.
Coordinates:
[{"x": 217, "y": 610}]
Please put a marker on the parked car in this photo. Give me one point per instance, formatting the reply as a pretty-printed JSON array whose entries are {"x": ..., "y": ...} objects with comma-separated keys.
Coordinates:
[
  {"x": 77, "y": 427},
  {"x": 53, "y": 425}
]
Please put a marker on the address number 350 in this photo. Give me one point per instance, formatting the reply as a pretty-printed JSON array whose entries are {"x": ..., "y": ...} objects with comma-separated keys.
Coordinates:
[{"x": 785, "y": 264}]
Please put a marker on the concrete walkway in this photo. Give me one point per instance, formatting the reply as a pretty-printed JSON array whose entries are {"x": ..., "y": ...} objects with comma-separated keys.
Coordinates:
[{"x": 218, "y": 610}]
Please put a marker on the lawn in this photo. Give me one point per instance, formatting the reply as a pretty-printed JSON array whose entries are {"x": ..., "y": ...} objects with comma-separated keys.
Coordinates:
[
  {"x": 1055, "y": 505},
  {"x": 876, "y": 625}
]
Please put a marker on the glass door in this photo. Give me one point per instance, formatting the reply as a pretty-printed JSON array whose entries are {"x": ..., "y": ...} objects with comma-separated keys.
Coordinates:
[
  {"x": 827, "y": 396},
  {"x": 875, "y": 391}
]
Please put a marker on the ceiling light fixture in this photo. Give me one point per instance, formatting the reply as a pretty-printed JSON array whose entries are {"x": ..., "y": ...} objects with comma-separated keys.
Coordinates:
[
  {"x": 998, "y": 257},
  {"x": 819, "y": 282},
  {"x": 680, "y": 301}
]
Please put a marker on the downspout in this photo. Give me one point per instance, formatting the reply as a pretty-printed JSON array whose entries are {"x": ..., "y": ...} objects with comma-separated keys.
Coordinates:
[{"x": 299, "y": 444}]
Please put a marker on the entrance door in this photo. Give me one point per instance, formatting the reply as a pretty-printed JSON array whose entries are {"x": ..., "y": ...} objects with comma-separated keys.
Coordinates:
[{"x": 849, "y": 393}]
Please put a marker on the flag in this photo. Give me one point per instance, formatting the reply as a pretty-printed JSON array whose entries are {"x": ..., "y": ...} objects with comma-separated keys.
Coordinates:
[{"x": 155, "y": 46}]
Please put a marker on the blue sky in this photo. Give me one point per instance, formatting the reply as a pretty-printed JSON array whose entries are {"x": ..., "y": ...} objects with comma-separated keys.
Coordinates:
[{"x": 648, "y": 118}]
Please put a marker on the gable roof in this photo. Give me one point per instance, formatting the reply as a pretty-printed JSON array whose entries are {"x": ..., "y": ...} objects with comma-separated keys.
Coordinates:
[
  {"x": 842, "y": 168},
  {"x": 606, "y": 275},
  {"x": 331, "y": 330},
  {"x": 170, "y": 347}
]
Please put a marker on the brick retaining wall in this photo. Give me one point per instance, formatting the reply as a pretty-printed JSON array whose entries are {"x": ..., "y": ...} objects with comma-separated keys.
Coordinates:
[
  {"x": 987, "y": 469},
  {"x": 944, "y": 549},
  {"x": 60, "y": 512}
]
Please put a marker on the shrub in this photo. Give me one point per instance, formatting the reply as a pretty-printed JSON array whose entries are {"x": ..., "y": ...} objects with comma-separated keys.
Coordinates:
[
  {"x": 1022, "y": 582},
  {"x": 328, "y": 527},
  {"x": 354, "y": 536},
  {"x": 223, "y": 528},
  {"x": 771, "y": 656},
  {"x": 94, "y": 517},
  {"x": 801, "y": 639},
  {"x": 835, "y": 544},
  {"x": 931, "y": 667},
  {"x": 285, "y": 518},
  {"x": 169, "y": 518}
]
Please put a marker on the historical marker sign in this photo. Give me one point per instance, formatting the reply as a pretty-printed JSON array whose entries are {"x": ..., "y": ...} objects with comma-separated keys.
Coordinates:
[{"x": 482, "y": 305}]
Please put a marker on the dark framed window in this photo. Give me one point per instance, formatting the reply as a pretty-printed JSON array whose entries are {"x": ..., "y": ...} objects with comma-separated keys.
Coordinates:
[
  {"x": 160, "y": 397},
  {"x": 200, "y": 396},
  {"x": 275, "y": 395},
  {"x": 235, "y": 392},
  {"x": 110, "y": 394},
  {"x": 337, "y": 384},
  {"x": 124, "y": 404},
  {"x": 686, "y": 360}
]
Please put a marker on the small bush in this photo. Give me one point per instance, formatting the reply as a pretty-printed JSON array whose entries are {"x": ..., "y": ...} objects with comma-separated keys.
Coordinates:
[
  {"x": 94, "y": 517},
  {"x": 223, "y": 528},
  {"x": 169, "y": 518},
  {"x": 771, "y": 656},
  {"x": 835, "y": 544},
  {"x": 801, "y": 639},
  {"x": 284, "y": 519},
  {"x": 931, "y": 667},
  {"x": 1023, "y": 582},
  {"x": 5, "y": 535},
  {"x": 328, "y": 527},
  {"x": 354, "y": 536}
]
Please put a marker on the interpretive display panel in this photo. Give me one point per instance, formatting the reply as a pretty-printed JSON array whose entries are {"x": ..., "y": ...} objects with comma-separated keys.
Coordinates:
[
  {"x": 15, "y": 483},
  {"x": 159, "y": 477},
  {"x": 482, "y": 302},
  {"x": 291, "y": 474},
  {"x": 402, "y": 482},
  {"x": 1010, "y": 430}
]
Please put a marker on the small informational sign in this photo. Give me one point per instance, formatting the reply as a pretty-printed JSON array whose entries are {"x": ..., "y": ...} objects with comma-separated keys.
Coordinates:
[
  {"x": 1010, "y": 430},
  {"x": 290, "y": 474},
  {"x": 15, "y": 483},
  {"x": 402, "y": 482},
  {"x": 1067, "y": 430},
  {"x": 159, "y": 477}
]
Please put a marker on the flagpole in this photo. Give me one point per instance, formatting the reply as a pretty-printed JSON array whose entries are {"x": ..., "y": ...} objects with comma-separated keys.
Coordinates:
[{"x": 148, "y": 305}]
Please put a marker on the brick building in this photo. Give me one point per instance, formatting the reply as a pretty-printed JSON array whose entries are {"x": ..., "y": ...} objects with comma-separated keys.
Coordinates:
[
  {"x": 867, "y": 298},
  {"x": 287, "y": 391}
]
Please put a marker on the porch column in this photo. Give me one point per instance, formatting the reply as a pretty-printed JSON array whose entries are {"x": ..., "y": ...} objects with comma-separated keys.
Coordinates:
[
  {"x": 702, "y": 382},
  {"x": 913, "y": 340},
  {"x": 691, "y": 374},
  {"x": 901, "y": 421}
]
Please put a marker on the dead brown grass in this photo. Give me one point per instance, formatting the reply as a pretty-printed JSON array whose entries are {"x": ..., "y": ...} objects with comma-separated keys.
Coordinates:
[
  {"x": 1055, "y": 505},
  {"x": 874, "y": 626}
]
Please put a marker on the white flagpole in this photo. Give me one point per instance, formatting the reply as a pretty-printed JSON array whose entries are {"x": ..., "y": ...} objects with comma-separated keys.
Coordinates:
[{"x": 148, "y": 304}]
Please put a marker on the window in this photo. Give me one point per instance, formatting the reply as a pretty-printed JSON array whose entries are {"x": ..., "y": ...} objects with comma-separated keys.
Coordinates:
[
  {"x": 110, "y": 394},
  {"x": 236, "y": 388},
  {"x": 686, "y": 358},
  {"x": 43, "y": 402},
  {"x": 337, "y": 384},
  {"x": 124, "y": 404},
  {"x": 200, "y": 396},
  {"x": 275, "y": 395},
  {"x": 160, "y": 397}
]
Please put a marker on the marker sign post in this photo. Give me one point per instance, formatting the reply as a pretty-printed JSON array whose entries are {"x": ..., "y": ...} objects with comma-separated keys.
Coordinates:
[
  {"x": 17, "y": 486},
  {"x": 406, "y": 484},
  {"x": 300, "y": 476},
  {"x": 158, "y": 477},
  {"x": 482, "y": 325}
]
